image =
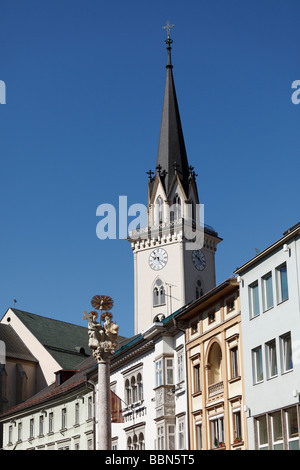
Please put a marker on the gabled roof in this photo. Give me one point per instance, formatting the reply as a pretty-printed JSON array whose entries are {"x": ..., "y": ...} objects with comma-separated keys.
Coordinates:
[
  {"x": 66, "y": 342},
  {"x": 14, "y": 346}
]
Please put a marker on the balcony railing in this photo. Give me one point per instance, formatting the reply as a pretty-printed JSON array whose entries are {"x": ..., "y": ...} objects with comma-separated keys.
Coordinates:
[{"x": 215, "y": 389}]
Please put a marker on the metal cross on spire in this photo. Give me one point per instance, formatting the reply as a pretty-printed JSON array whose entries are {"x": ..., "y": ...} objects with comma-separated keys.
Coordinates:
[{"x": 168, "y": 27}]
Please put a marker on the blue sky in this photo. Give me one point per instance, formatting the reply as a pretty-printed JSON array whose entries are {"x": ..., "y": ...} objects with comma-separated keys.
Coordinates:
[{"x": 84, "y": 90}]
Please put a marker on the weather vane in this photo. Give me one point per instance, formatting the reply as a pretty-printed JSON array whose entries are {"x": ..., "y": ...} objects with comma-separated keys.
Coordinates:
[{"x": 168, "y": 27}]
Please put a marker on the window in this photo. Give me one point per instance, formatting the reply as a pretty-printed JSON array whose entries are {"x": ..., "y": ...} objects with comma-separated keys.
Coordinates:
[
  {"x": 267, "y": 291},
  {"x": 19, "y": 431},
  {"x": 31, "y": 428},
  {"x": 230, "y": 305},
  {"x": 282, "y": 284},
  {"x": 234, "y": 359},
  {"x": 211, "y": 317},
  {"x": 237, "y": 424},
  {"x": 90, "y": 407},
  {"x": 159, "y": 211},
  {"x": 140, "y": 387},
  {"x": 90, "y": 444},
  {"x": 181, "y": 435},
  {"x": 171, "y": 436},
  {"x": 76, "y": 413},
  {"x": 277, "y": 435},
  {"x": 180, "y": 367},
  {"x": 169, "y": 372},
  {"x": 175, "y": 210},
  {"x": 217, "y": 431},
  {"x": 262, "y": 433},
  {"x": 199, "y": 442},
  {"x": 134, "y": 387},
  {"x": 254, "y": 300},
  {"x": 257, "y": 365},
  {"x": 159, "y": 293},
  {"x": 64, "y": 418},
  {"x": 271, "y": 358},
  {"x": 51, "y": 421},
  {"x": 164, "y": 372},
  {"x": 160, "y": 438},
  {"x": 194, "y": 327},
  {"x": 215, "y": 364},
  {"x": 197, "y": 383},
  {"x": 292, "y": 428},
  {"x": 41, "y": 425},
  {"x": 10, "y": 433},
  {"x": 199, "y": 289},
  {"x": 286, "y": 352}
]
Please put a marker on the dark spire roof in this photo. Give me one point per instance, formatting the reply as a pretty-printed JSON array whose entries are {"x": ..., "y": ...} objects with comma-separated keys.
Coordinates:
[{"x": 171, "y": 156}]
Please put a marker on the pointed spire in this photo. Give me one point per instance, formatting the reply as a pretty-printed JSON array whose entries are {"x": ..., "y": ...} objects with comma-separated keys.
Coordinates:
[{"x": 171, "y": 156}]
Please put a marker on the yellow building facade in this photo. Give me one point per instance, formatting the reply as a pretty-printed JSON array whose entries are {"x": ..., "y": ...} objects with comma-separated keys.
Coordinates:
[{"x": 215, "y": 370}]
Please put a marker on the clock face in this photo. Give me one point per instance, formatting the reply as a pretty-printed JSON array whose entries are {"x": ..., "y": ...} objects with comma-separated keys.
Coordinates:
[
  {"x": 158, "y": 258},
  {"x": 199, "y": 259}
]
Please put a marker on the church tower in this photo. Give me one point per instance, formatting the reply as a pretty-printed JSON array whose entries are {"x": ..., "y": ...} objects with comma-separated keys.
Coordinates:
[{"x": 171, "y": 267}]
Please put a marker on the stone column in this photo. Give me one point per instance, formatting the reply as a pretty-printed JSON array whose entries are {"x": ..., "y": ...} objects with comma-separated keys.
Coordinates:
[{"x": 104, "y": 405}]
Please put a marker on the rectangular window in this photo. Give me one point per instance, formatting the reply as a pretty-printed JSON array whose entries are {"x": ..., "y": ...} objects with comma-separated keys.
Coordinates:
[
  {"x": 10, "y": 432},
  {"x": 41, "y": 425},
  {"x": 160, "y": 438},
  {"x": 217, "y": 431},
  {"x": 237, "y": 423},
  {"x": 292, "y": 428},
  {"x": 63, "y": 418},
  {"x": 262, "y": 433},
  {"x": 282, "y": 284},
  {"x": 31, "y": 428},
  {"x": 180, "y": 367},
  {"x": 169, "y": 372},
  {"x": 211, "y": 317},
  {"x": 19, "y": 431},
  {"x": 90, "y": 407},
  {"x": 286, "y": 352},
  {"x": 76, "y": 413},
  {"x": 267, "y": 286},
  {"x": 277, "y": 436},
  {"x": 234, "y": 357},
  {"x": 171, "y": 437},
  {"x": 51, "y": 422},
  {"x": 181, "y": 435},
  {"x": 199, "y": 444},
  {"x": 257, "y": 365},
  {"x": 254, "y": 300},
  {"x": 271, "y": 358},
  {"x": 197, "y": 383},
  {"x": 158, "y": 373}
]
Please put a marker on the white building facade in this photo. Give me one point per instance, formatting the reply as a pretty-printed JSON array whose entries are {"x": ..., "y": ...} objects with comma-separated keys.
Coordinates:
[
  {"x": 270, "y": 306},
  {"x": 149, "y": 376}
]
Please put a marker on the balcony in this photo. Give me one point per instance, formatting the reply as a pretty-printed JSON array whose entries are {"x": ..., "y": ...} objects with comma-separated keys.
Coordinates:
[{"x": 215, "y": 389}]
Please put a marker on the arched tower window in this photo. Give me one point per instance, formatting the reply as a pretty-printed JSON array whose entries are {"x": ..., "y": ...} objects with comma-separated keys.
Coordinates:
[
  {"x": 159, "y": 293},
  {"x": 159, "y": 211},
  {"x": 175, "y": 212},
  {"x": 198, "y": 289}
]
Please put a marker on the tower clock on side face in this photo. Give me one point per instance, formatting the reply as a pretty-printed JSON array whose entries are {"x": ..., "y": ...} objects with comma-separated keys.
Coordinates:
[
  {"x": 199, "y": 260},
  {"x": 158, "y": 258}
]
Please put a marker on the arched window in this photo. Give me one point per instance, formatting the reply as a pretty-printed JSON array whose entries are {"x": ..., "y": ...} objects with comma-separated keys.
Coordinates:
[
  {"x": 199, "y": 289},
  {"x": 159, "y": 293},
  {"x": 175, "y": 212},
  {"x": 134, "y": 390},
  {"x": 215, "y": 363},
  {"x": 129, "y": 443},
  {"x": 141, "y": 441},
  {"x": 140, "y": 387},
  {"x": 128, "y": 392},
  {"x": 159, "y": 211}
]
